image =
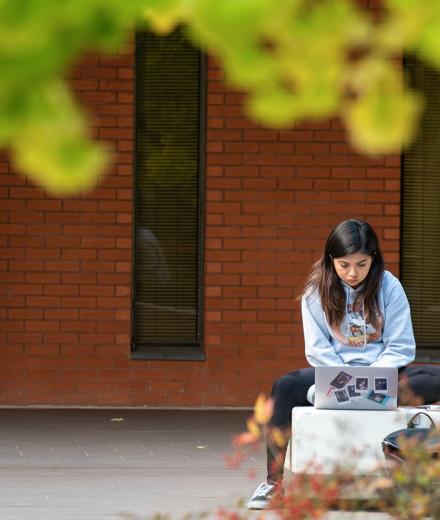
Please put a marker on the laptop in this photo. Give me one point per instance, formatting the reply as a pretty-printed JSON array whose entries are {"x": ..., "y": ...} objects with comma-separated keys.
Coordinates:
[{"x": 356, "y": 388}]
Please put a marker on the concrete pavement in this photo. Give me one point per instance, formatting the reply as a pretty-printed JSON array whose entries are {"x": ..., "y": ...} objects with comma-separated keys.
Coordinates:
[{"x": 66, "y": 464}]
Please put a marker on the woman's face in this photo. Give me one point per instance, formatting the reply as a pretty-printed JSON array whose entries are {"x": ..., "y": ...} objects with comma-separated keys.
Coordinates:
[{"x": 353, "y": 269}]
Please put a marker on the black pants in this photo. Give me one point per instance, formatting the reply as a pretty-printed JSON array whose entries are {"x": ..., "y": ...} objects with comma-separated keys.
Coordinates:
[{"x": 291, "y": 390}]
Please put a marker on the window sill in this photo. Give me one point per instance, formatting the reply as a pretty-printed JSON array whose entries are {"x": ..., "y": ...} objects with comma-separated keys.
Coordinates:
[
  {"x": 427, "y": 356},
  {"x": 172, "y": 353}
]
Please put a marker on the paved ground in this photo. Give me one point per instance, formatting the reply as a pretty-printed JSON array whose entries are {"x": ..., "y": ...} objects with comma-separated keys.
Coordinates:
[{"x": 115, "y": 464}]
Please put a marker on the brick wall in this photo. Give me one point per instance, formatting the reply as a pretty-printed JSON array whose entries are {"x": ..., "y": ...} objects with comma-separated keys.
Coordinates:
[{"x": 271, "y": 198}]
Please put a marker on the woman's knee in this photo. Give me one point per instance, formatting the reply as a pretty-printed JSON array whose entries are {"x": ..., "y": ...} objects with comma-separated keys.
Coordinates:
[
  {"x": 283, "y": 384},
  {"x": 293, "y": 382}
]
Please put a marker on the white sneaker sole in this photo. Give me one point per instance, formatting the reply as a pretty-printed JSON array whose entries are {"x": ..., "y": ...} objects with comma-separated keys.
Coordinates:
[{"x": 257, "y": 505}]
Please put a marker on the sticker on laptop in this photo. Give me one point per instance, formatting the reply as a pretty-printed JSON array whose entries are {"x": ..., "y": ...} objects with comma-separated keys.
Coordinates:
[
  {"x": 378, "y": 398},
  {"x": 342, "y": 397},
  {"x": 340, "y": 380},
  {"x": 381, "y": 384},
  {"x": 362, "y": 384},
  {"x": 353, "y": 393},
  {"x": 330, "y": 391}
]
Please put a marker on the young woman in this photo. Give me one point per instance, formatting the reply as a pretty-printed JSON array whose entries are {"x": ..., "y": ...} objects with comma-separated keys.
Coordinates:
[{"x": 354, "y": 313}]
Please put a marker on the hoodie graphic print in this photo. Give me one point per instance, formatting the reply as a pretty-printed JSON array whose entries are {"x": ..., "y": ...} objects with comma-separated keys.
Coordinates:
[{"x": 355, "y": 330}]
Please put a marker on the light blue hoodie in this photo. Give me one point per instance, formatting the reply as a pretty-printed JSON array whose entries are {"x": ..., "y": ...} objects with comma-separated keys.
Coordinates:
[{"x": 356, "y": 342}]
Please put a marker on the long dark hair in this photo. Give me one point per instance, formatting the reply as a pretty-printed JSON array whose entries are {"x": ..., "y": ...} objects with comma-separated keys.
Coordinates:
[{"x": 348, "y": 237}]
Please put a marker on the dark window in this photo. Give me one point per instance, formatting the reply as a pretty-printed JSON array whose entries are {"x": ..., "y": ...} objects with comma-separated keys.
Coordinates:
[
  {"x": 421, "y": 215},
  {"x": 167, "y": 291}
]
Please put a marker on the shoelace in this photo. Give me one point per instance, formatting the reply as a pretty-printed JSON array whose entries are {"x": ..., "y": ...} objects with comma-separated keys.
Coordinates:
[{"x": 265, "y": 489}]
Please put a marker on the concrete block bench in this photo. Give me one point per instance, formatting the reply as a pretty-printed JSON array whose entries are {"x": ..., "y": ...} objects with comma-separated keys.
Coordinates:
[{"x": 350, "y": 438}]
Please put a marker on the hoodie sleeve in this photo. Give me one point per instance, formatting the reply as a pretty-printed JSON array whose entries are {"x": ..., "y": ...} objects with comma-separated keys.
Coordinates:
[
  {"x": 398, "y": 336},
  {"x": 319, "y": 350}
]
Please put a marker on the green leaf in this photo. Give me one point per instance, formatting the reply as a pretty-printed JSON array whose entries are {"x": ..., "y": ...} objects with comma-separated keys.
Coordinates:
[
  {"x": 277, "y": 108},
  {"x": 53, "y": 149},
  {"x": 383, "y": 120}
]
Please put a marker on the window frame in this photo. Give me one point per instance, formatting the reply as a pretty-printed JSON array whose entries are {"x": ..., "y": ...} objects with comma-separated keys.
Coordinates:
[{"x": 159, "y": 350}]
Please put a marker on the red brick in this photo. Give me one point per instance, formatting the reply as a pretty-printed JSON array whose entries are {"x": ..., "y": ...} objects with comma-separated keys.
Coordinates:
[
  {"x": 14, "y": 204},
  {"x": 25, "y": 314},
  {"x": 25, "y": 193},
  {"x": 43, "y": 301},
  {"x": 115, "y": 133},
  {"x": 44, "y": 229},
  {"x": 222, "y": 279},
  {"x": 8, "y": 277},
  {"x": 97, "y": 266},
  {"x": 79, "y": 254},
  {"x": 62, "y": 265},
  {"x": 25, "y": 337},
  {"x": 393, "y": 161},
  {"x": 78, "y": 302},
  {"x": 60, "y": 337},
  {"x": 371, "y": 185},
  {"x": 308, "y": 148},
  {"x": 232, "y": 171},
  {"x": 259, "y": 256},
  {"x": 383, "y": 173},
  {"x": 12, "y": 253},
  {"x": 12, "y": 229},
  {"x": 78, "y": 326},
  {"x": 108, "y": 108},
  {"x": 239, "y": 292},
  {"x": 392, "y": 209},
  {"x": 97, "y": 72},
  {"x": 392, "y": 234},
  {"x": 239, "y": 267},
  {"x": 44, "y": 205},
  {"x": 79, "y": 277},
  {"x": 330, "y": 136},
  {"x": 25, "y": 289},
  {"x": 60, "y": 290},
  {"x": 238, "y": 122},
  {"x": 312, "y": 172},
  {"x": 61, "y": 314},
  {"x": 296, "y": 135},
  {"x": 258, "y": 280},
  {"x": 349, "y": 196},
  {"x": 385, "y": 197},
  {"x": 245, "y": 220},
  {"x": 331, "y": 184},
  {"x": 222, "y": 303},
  {"x": 260, "y": 135},
  {"x": 258, "y": 232},
  {"x": 241, "y": 147},
  {"x": 42, "y": 325}
]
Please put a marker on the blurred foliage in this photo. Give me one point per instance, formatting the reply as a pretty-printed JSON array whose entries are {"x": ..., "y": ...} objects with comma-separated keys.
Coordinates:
[
  {"x": 40, "y": 122},
  {"x": 296, "y": 59},
  {"x": 406, "y": 487}
]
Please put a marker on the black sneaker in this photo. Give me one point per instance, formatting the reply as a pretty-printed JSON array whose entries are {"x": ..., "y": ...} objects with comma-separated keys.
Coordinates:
[{"x": 263, "y": 495}]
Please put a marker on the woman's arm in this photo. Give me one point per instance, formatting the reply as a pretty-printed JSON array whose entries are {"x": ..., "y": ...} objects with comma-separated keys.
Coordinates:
[
  {"x": 319, "y": 350},
  {"x": 398, "y": 336}
]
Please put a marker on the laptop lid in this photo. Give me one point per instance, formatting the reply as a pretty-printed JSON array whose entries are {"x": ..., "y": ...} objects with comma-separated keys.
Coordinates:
[{"x": 356, "y": 388}]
